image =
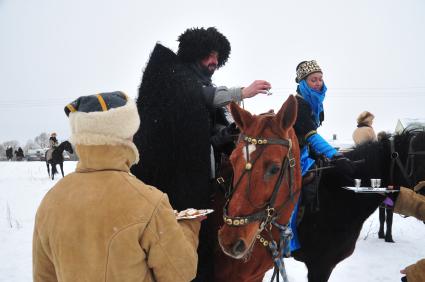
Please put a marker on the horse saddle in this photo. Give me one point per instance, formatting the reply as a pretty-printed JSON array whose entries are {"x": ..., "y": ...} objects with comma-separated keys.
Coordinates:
[{"x": 49, "y": 154}]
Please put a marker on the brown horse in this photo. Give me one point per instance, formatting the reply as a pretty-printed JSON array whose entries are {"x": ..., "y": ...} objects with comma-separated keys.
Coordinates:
[{"x": 266, "y": 186}]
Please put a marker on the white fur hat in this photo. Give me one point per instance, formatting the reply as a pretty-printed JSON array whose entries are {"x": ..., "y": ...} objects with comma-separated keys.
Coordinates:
[{"x": 104, "y": 119}]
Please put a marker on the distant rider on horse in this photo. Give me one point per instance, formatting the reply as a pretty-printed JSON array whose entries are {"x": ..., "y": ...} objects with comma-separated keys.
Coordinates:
[{"x": 53, "y": 142}]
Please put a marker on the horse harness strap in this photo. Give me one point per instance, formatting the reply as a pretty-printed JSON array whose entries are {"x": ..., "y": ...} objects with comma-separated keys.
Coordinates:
[
  {"x": 269, "y": 212},
  {"x": 395, "y": 159}
]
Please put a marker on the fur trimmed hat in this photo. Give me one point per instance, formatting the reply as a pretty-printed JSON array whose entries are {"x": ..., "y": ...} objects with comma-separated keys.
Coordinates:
[
  {"x": 197, "y": 43},
  {"x": 365, "y": 118},
  {"x": 104, "y": 119},
  {"x": 306, "y": 68}
]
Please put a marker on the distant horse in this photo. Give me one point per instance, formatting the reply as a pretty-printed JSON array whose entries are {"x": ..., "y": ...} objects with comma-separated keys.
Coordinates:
[
  {"x": 19, "y": 154},
  {"x": 266, "y": 186},
  {"x": 9, "y": 153},
  {"x": 55, "y": 157},
  {"x": 329, "y": 235}
]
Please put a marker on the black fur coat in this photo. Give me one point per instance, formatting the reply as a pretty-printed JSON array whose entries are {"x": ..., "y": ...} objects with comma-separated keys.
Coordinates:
[{"x": 173, "y": 138}]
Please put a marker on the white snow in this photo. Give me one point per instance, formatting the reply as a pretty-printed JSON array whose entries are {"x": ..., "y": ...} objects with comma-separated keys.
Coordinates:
[{"x": 23, "y": 185}]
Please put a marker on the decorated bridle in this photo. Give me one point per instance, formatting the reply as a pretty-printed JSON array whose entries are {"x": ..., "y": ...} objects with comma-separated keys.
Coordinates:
[{"x": 269, "y": 211}]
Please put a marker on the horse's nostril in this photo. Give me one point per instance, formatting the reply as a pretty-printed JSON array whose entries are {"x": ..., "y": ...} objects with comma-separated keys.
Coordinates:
[{"x": 239, "y": 247}]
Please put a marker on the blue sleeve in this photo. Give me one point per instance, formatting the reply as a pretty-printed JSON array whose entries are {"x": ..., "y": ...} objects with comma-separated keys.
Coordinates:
[{"x": 321, "y": 146}]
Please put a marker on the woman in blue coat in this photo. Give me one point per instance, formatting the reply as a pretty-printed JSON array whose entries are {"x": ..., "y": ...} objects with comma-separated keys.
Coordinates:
[{"x": 311, "y": 92}]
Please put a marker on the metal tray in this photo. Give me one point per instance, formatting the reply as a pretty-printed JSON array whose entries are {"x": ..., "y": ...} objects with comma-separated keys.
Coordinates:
[{"x": 370, "y": 190}]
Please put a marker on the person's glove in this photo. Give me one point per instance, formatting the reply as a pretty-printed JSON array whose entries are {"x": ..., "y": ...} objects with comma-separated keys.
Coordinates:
[
  {"x": 342, "y": 164},
  {"x": 393, "y": 196}
]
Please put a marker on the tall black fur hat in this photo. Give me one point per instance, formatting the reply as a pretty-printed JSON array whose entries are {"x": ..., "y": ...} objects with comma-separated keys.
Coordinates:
[{"x": 197, "y": 43}]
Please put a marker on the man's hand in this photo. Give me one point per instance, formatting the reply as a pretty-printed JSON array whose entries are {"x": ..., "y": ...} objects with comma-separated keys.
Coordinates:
[{"x": 257, "y": 87}]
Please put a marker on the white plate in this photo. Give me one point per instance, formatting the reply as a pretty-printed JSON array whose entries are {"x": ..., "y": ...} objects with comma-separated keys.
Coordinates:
[
  {"x": 370, "y": 190},
  {"x": 192, "y": 213}
]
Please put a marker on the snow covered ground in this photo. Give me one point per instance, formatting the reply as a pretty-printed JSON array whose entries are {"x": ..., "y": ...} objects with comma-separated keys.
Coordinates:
[{"x": 23, "y": 185}]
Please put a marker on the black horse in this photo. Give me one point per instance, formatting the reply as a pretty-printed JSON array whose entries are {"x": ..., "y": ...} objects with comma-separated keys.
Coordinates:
[
  {"x": 9, "y": 153},
  {"x": 55, "y": 156},
  {"x": 329, "y": 235}
]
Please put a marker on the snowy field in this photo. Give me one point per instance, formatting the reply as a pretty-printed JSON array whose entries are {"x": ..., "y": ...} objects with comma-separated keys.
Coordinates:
[{"x": 23, "y": 185}]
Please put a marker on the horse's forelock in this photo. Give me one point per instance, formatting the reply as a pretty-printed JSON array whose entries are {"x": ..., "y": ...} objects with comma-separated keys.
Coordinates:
[{"x": 251, "y": 149}]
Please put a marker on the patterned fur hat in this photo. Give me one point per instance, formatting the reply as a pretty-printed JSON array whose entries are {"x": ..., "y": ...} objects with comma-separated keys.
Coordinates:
[
  {"x": 197, "y": 43},
  {"x": 365, "y": 118},
  {"x": 306, "y": 68},
  {"x": 104, "y": 119}
]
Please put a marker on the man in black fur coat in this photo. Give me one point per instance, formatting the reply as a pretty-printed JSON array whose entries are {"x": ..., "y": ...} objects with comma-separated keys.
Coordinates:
[
  {"x": 183, "y": 119},
  {"x": 204, "y": 51}
]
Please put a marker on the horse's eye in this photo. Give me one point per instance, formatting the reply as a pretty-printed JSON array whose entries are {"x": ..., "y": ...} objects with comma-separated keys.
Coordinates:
[{"x": 272, "y": 170}]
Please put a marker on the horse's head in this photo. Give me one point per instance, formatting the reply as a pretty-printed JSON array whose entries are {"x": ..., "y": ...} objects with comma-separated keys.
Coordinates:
[
  {"x": 405, "y": 157},
  {"x": 267, "y": 177},
  {"x": 417, "y": 158},
  {"x": 413, "y": 168},
  {"x": 399, "y": 159},
  {"x": 66, "y": 145}
]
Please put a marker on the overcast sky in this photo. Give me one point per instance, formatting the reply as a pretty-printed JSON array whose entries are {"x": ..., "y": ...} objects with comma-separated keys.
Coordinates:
[{"x": 52, "y": 51}]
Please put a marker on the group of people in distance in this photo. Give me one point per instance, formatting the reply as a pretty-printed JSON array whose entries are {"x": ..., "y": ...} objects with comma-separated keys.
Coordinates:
[{"x": 101, "y": 223}]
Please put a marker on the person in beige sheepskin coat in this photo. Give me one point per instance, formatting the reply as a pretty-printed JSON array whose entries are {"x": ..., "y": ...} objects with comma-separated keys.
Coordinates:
[
  {"x": 100, "y": 223},
  {"x": 364, "y": 131}
]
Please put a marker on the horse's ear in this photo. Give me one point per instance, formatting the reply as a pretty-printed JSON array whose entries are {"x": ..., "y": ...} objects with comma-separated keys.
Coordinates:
[
  {"x": 287, "y": 114},
  {"x": 243, "y": 119}
]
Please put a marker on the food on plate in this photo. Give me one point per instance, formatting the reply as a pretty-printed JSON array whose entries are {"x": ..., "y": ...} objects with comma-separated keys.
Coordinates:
[{"x": 191, "y": 213}]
